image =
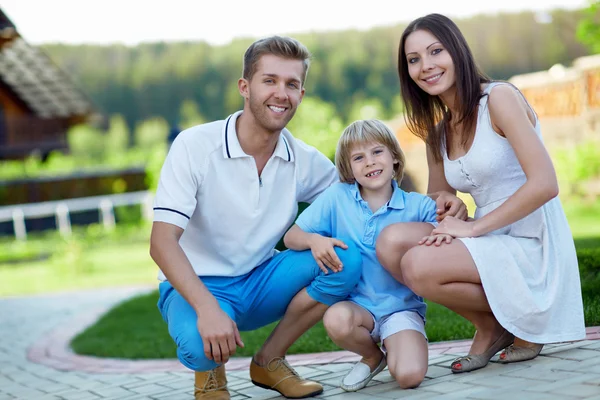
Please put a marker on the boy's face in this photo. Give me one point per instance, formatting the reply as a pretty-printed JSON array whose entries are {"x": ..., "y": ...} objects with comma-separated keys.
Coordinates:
[
  {"x": 274, "y": 92},
  {"x": 372, "y": 166}
]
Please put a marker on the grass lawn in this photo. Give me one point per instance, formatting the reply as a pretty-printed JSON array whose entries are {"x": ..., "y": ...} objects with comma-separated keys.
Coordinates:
[
  {"x": 93, "y": 258},
  {"x": 135, "y": 330}
]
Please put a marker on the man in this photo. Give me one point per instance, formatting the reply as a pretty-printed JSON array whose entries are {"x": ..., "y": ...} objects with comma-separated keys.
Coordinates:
[{"x": 228, "y": 192}]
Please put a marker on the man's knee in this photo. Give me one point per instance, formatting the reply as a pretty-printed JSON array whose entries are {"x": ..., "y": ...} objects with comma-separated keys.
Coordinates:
[
  {"x": 190, "y": 349},
  {"x": 351, "y": 259}
]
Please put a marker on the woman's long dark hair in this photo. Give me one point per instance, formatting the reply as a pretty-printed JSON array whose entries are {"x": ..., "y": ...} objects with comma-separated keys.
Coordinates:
[{"x": 426, "y": 116}]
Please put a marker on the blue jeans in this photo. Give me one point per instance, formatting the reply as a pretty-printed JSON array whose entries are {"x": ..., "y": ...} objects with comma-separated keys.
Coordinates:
[{"x": 257, "y": 298}]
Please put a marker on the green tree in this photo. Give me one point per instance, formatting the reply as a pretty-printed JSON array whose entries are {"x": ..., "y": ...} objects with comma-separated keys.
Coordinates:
[
  {"x": 151, "y": 132},
  {"x": 588, "y": 30},
  {"x": 189, "y": 114},
  {"x": 317, "y": 124},
  {"x": 117, "y": 137}
]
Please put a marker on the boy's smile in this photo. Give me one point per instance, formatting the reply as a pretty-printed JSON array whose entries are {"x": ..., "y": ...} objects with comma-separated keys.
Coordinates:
[{"x": 373, "y": 168}]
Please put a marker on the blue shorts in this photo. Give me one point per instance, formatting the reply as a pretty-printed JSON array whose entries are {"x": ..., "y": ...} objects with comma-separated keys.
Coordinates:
[{"x": 257, "y": 298}]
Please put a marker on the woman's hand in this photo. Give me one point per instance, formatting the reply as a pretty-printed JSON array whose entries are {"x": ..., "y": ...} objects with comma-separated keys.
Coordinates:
[
  {"x": 456, "y": 228},
  {"x": 449, "y": 205}
]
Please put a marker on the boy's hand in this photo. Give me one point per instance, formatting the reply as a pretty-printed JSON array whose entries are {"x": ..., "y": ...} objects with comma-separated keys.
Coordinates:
[
  {"x": 323, "y": 251},
  {"x": 436, "y": 239}
]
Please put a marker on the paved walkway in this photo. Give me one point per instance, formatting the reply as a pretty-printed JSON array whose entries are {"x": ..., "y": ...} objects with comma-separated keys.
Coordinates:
[{"x": 35, "y": 363}]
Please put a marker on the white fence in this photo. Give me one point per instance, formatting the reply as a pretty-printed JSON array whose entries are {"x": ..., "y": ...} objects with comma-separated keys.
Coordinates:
[{"x": 61, "y": 209}]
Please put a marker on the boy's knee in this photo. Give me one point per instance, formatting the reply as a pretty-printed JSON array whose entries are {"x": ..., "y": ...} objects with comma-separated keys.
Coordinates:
[
  {"x": 338, "y": 322},
  {"x": 407, "y": 377},
  {"x": 190, "y": 350}
]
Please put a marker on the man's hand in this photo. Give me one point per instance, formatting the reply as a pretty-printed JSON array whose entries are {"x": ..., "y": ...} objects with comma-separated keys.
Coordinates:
[
  {"x": 436, "y": 240},
  {"x": 322, "y": 249},
  {"x": 448, "y": 205},
  {"x": 219, "y": 334}
]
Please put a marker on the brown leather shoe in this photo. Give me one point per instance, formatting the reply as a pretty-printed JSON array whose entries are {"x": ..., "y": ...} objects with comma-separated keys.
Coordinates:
[
  {"x": 211, "y": 385},
  {"x": 280, "y": 376}
]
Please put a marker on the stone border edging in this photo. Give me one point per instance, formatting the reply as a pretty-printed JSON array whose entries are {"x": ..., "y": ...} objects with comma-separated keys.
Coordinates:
[{"x": 54, "y": 351}]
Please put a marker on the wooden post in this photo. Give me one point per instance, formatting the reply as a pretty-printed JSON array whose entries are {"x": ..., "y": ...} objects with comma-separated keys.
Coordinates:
[
  {"x": 19, "y": 224},
  {"x": 108, "y": 214},
  {"x": 147, "y": 207},
  {"x": 63, "y": 220}
]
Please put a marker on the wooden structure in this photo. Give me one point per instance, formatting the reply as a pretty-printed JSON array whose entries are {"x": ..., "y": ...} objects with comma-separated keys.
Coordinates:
[{"x": 38, "y": 102}]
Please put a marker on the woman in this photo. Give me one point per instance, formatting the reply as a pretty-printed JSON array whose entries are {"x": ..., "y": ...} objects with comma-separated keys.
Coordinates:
[{"x": 513, "y": 272}]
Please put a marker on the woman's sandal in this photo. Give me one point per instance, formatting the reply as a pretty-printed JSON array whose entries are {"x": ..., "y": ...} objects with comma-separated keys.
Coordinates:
[
  {"x": 519, "y": 353},
  {"x": 476, "y": 361}
]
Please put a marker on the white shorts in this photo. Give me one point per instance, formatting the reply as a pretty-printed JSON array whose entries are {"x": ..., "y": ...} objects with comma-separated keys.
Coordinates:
[{"x": 397, "y": 322}]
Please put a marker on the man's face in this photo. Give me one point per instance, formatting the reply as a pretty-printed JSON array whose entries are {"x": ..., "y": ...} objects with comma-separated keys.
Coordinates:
[{"x": 274, "y": 91}]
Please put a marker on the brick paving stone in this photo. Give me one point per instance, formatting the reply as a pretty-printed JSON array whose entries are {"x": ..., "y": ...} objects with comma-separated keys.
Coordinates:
[
  {"x": 503, "y": 394},
  {"x": 549, "y": 375},
  {"x": 551, "y": 387},
  {"x": 43, "y": 321},
  {"x": 445, "y": 387},
  {"x": 330, "y": 391},
  {"x": 578, "y": 354},
  {"x": 49, "y": 397},
  {"x": 384, "y": 376},
  {"x": 79, "y": 395},
  {"x": 354, "y": 396},
  {"x": 150, "y": 389},
  {"x": 434, "y": 371},
  {"x": 578, "y": 390},
  {"x": 593, "y": 381},
  {"x": 337, "y": 367},
  {"x": 113, "y": 392},
  {"x": 591, "y": 344},
  {"x": 559, "y": 347},
  {"x": 178, "y": 394},
  {"x": 180, "y": 384}
]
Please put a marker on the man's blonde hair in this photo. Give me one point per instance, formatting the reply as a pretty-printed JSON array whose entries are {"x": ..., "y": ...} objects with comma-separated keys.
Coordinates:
[
  {"x": 367, "y": 131},
  {"x": 280, "y": 46}
]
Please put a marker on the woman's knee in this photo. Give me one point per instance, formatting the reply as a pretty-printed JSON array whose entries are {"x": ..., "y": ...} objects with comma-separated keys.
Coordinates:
[
  {"x": 338, "y": 321},
  {"x": 414, "y": 270},
  {"x": 392, "y": 243}
]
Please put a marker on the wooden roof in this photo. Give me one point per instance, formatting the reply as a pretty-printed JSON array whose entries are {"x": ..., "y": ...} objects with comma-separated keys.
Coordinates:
[{"x": 32, "y": 77}]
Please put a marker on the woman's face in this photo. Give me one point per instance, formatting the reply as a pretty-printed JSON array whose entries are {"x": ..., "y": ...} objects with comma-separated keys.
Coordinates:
[{"x": 429, "y": 63}]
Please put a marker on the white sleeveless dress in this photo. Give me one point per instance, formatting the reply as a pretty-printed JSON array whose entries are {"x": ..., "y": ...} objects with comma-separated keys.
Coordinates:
[{"x": 528, "y": 269}]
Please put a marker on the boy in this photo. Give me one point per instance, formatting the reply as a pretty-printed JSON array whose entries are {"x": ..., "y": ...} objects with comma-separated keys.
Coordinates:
[{"x": 371, "y": 165}]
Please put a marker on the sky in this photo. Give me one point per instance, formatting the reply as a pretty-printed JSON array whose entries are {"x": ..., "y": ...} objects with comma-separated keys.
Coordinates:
[{"x": 219, "y": 21}]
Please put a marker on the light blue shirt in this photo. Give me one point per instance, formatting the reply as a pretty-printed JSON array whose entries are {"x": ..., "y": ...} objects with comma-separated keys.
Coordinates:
[{"x": 340, "y": 212}]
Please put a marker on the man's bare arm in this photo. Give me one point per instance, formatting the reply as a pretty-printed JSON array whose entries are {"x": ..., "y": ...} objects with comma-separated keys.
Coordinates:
[{"x": 219, "y": 333}]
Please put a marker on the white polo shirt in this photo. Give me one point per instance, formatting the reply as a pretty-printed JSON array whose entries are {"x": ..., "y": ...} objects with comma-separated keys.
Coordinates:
[{"x": 232, "y": 219}]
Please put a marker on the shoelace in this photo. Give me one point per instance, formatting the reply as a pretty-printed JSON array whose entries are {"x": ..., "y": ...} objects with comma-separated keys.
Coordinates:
[
  {"x": 290, "y": 373},
  {"x": 284, "y": 363},
  {"x": 211, "y": 384}
]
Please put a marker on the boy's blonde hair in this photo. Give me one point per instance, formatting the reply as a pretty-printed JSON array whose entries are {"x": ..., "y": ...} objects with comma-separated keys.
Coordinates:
[{"x": 367, "y": 131}]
